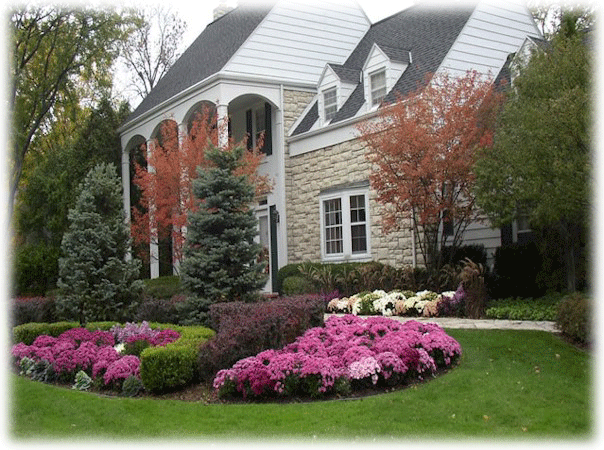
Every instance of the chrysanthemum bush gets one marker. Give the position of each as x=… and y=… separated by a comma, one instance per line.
x=99, y=354
x=349, y=353
x=401, y=303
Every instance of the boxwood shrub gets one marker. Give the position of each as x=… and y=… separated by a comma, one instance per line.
x=168, y=368
x=174, y=366
x=28, y=332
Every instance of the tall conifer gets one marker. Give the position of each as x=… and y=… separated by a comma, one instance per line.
x=221, y=257
x=97, y=282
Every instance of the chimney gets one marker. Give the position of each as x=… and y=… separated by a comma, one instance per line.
x=222, y=9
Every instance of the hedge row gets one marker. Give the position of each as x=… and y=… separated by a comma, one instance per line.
x=162, y=368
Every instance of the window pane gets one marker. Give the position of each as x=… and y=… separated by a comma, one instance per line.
x=359, y=239
x=357, y=208
x=333, y=226
x=330, y=103
x=378, y=87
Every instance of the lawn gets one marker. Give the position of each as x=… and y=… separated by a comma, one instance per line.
x=509, y=385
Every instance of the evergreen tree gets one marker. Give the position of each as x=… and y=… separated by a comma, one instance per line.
x=220, y=256
x=97, y=282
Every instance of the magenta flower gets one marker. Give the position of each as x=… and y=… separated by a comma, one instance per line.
x=122, y=369
x=347, y=347
x=44, y=341
x=21, y=350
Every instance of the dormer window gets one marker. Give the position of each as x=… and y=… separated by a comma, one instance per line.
x=378, y=87
x=330, y=103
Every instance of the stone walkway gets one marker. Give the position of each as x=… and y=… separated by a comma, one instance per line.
x=484, y=324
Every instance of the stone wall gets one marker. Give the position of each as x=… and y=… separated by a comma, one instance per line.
x=294, y=103
x=310, y=173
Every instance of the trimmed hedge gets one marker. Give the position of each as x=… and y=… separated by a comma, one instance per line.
x=28, y=332
x=164, y=287
x=174, y=366
x=168, y=368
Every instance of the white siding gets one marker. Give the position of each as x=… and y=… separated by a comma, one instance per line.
x=378, y=60
x=493, y=31
x=296, y=40
x=481, y=233
x=328, y=80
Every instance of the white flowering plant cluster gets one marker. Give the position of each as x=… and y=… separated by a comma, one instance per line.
x=394, y=303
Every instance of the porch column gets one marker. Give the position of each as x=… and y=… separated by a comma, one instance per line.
x=183, y=131
x=154, y=238
x=126, y=194
x=222, y=121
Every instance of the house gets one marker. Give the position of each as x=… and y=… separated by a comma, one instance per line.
x=305, y=74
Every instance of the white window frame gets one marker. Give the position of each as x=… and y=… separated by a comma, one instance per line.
x=347, y=253
x=375, y=99
x=330, y=109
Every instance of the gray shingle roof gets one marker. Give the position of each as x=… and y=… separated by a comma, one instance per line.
x=345, y=74
x=207, y=55
x=427, y=32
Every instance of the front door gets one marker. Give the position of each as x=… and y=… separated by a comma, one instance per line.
x=267, y=235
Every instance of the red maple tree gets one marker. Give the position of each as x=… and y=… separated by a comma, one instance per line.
x=422, y=149
x=165, y=181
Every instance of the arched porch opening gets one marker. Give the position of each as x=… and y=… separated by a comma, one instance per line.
x=165, y=138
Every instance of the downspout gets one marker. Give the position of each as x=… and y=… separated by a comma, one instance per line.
x=413, y=252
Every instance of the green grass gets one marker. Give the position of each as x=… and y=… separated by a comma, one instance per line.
x=509, y=385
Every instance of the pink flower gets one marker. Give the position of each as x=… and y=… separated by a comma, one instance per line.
x=348, y=347
x=44, y=341
x=122, y=369
x=366, y=367
x=21, y=350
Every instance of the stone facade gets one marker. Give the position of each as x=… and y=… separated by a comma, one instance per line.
x=294, y=103
x=309, y=174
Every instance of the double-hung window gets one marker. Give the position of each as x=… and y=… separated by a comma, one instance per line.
x=378, y=87
x=330, y=103
x=345, y=225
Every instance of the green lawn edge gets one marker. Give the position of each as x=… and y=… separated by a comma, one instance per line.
x=509, y=385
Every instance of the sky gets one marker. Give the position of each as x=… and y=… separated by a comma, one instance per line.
x=198, y=15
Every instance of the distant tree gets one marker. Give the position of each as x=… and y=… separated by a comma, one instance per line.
x=221, y=258
x=96, y=281
x=539, y=167
x=153, y=47
x=54, y=52
x=58, y=162
x=422, y=149
x=165, y=182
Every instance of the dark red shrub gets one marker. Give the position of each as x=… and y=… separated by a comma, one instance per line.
x=245, y=329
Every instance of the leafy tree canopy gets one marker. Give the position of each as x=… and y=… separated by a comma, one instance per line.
x=540, y=162
x=56, y=53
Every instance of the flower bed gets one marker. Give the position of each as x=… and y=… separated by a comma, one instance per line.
x=400, y=303
x=101, y=355
x=349, y=353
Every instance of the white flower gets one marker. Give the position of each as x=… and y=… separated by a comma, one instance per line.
x=120, y=347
